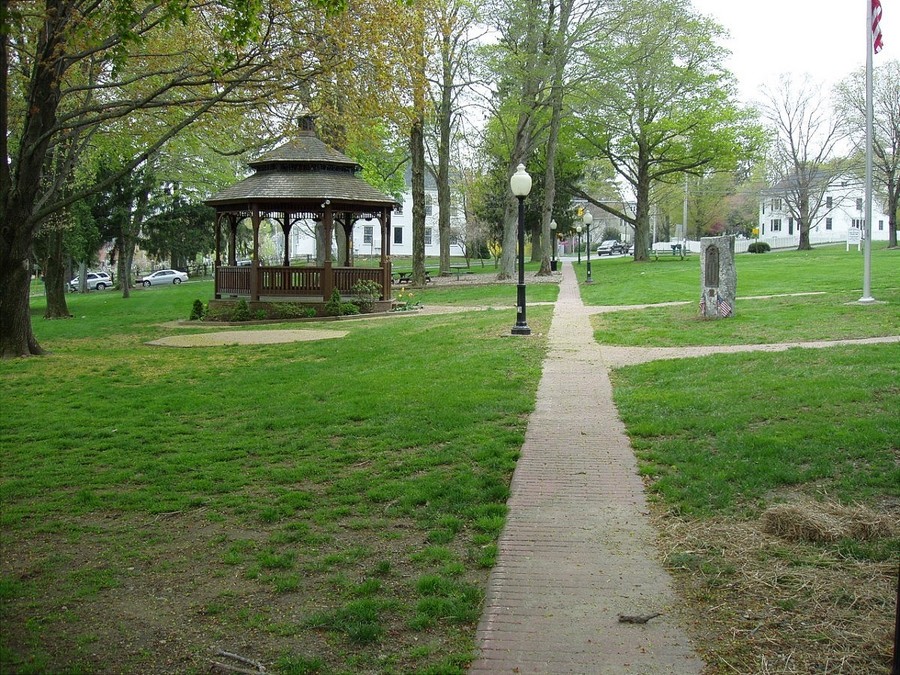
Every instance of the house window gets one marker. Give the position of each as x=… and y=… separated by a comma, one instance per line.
x=367, y=234
x=427, y=205
x=398, y=235
x=399, y=209
x=828, y=204
x=428, y=236
x=775, y=225
x=857, y=223
x=764, y=208
x=828, y=224
x=776, y=204
x=881, y=226
x=859, y=203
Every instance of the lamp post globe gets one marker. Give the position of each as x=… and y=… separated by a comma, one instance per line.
x=588, y=219
x=520, y=184
x=553, y=227
x=578, y=230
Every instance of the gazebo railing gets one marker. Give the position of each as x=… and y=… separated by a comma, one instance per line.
x=232, y=280
x=290, y=281
x=346, y=277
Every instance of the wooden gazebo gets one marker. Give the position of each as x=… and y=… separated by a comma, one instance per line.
x=302, y=180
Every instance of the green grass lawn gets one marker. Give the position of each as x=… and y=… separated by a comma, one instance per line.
x=334, y=506
x=619, y=281
x=334, y=503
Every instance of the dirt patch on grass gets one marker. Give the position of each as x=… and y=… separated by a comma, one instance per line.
x=129, y=594
x=762, y=603
x=246, y=337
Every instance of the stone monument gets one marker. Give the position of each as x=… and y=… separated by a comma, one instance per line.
x=718, y=278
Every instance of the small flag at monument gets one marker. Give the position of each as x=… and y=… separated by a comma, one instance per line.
x=724, y=307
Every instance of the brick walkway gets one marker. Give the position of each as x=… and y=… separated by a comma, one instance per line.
x=577, y=549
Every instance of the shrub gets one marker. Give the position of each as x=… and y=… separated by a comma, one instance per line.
x=758, y=247
x=333, y=306
x=290, y=310
x=241, y=311
x=367, y=292
x=198, y=311
x=260, y=315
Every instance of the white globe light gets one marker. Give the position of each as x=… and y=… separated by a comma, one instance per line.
x=520, y=182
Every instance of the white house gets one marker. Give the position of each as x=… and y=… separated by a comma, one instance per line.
x=367, y=234
x=841, y=209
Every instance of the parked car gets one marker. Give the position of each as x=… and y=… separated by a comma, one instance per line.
x=96, y=281
x=164, y=277
x=611, y=247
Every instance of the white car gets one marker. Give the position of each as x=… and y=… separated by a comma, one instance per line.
x=162, y=277
x=95, y=281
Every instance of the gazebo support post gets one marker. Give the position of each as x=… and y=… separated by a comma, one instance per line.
x=286, y=229
x=327, y=268
x=385, y=254
x=254, y=264
x=218, y=259
x=232, y=239
x=348, y=239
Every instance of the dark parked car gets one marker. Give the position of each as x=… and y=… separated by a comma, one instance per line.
x=611, y=247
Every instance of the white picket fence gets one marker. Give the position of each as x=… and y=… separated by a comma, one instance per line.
x=740, y=245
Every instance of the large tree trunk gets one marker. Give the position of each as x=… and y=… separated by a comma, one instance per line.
x=124, y=259
x=803, y=225
x=19, y=185
x=55, y=276
x=417, y=155
x=560, y=57
x=443, y=177
x=893, y=203
x=16, y=336
x=642, y=206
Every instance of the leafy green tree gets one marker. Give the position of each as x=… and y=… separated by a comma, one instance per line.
x=661, y=104
x=179, y=231
x=69, y=69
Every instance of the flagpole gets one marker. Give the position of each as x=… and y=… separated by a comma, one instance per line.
x=867, y=223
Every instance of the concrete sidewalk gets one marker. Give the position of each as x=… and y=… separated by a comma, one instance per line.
x=577, y=549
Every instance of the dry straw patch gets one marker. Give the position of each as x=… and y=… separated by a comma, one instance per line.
x=758, y=602
x=827, y=522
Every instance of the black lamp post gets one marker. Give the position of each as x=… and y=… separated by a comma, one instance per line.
x=588, y=220
x=520, y=184
x=555, y=245
x=578, y=230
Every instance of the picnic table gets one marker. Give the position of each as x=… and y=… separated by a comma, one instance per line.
x=405, y=276
x=458, y=269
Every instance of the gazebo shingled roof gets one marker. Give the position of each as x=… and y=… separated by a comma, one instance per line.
x=301, y=179
x=303, y=169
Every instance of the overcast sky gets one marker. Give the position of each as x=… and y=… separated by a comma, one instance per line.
x=824, y=38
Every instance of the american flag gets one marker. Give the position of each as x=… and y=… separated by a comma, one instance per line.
x=876, y=26
x=724, y=307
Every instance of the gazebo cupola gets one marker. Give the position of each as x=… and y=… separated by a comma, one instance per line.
x=301, y=180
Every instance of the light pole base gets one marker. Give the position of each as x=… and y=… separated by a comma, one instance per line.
x=521, y=330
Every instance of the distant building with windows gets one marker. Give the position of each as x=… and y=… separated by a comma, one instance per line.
x=367, y=234
x=840, y=210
